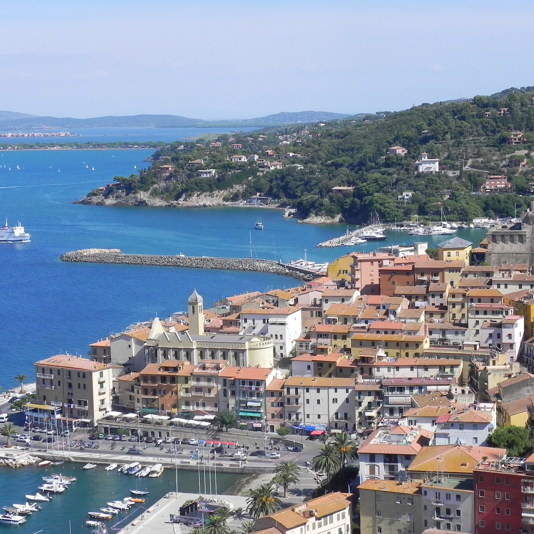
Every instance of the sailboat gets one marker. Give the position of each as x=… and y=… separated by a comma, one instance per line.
x=444, y=228
x=258, y=225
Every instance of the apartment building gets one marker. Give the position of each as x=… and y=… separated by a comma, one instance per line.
x=388, y=451
x=77, y=387
x=324, y=402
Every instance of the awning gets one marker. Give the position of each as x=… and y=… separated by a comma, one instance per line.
x=254, y=403
x=316, y=432
x=32, y=406
x=129, y=416
x=309, y=428
x=250, y=414
x=256, y=425
x=113, y=414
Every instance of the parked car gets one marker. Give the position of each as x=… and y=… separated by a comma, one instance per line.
x=36, y=437
x=273, y=455
x=258, y=453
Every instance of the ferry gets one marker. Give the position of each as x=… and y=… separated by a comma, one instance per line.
x=14, y=234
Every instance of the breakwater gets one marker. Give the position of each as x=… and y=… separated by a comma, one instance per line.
x=116, y=256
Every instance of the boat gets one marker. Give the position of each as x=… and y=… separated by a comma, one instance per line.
x=109, y=510
x=156, y=470
x=100, y=515
x=134, y=468
x=143, y=472
x=59, y=479
x=14, y=234
x=27, y=508
x=137, y=500
x=44, y=463
x=258, y=225
x=376, y=234
x=12, y=519
x=38, y=497
x=53, y=487
x=88, y=466
x=139, y=492
x=120, y=505
x=11, y=510
x=93, y=523
x=111, y=467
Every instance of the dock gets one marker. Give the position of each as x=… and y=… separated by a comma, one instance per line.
x=117, y=257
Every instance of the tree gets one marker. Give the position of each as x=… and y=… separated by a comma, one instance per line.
x=515, y=439
x=216, y=524
x=328, y=460
x=8, y=431
x=346, y=448
x=283, y=431
x=247, y=527
x=262, y=500
x=20, y=379
x=286, y=473
x=226, y=420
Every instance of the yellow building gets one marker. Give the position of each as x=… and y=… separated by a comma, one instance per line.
x=340, y=268
x=455, y=249
x=394, y=345
x=514, y=413
x=523, y=304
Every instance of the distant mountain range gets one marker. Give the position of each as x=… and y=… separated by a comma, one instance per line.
x=10, y=121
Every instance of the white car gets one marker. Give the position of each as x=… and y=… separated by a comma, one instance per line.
x=273, y=455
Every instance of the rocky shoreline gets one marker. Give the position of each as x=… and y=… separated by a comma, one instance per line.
x=115, y=256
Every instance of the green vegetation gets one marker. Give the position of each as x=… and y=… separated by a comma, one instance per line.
x=8, y=431
x=263, y=500
x=515, y=439
x=286, y=473
x=297, y=166
x=226, y=420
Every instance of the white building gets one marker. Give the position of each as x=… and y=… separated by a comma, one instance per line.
x=324, y=403
x=470, y=426
x=506, y=335
x=282, y=325
x=387, y=452
x=425, y=164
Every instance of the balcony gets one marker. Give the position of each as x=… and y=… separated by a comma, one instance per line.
x=527, y=487
x=372, y=412
x=528, y=506
x=437, y=502
x=82, y=407
x=45, y=375
x=185, y=394
x=47, y=387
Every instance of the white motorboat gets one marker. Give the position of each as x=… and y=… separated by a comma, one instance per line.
x=59, y=479
x=120, y=505
x=109, y=510
x=53, y=487
x=145, y=471
x=88, y=466
x=111, y=467
x=156, y=470
x=12, y=519
x=100, y=515
x=38, y=497
x=26, y=508
x=258, y=225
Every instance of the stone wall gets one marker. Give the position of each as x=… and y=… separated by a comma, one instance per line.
x=115, y=256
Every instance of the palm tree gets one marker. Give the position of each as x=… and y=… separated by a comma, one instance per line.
x=247, y=527
x=8, y=431
x=216, y=525
x=20, y=379
x=262, y=500
x=328, y=460
x=345, y=447
x=286, y=473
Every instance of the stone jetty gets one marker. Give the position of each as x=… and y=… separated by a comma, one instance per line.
x=116, y=256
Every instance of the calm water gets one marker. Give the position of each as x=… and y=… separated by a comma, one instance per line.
x=92, y=490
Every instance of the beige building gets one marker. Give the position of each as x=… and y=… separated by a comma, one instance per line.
x=196, y=345
x=78, y=387
x=327, y=514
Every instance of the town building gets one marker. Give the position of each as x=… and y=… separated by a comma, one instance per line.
x=80, y=388
x=426, y=164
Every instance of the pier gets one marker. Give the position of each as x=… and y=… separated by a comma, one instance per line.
x=115, y=256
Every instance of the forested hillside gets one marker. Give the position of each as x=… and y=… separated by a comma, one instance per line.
x=299, y=166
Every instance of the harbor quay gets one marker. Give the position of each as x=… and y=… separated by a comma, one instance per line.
x=115, y=256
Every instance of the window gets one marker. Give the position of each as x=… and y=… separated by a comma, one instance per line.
x=497, y=495
x=481, y=493
x=482, y=523
x=482, y=509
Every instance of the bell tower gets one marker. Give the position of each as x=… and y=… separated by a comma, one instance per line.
x=195, y=312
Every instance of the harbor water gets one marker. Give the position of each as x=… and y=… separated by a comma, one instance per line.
x=67, y=512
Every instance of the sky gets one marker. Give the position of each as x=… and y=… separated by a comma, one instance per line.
x=231, y=59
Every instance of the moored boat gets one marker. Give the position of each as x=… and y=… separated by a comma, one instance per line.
x=156, y=470
x=88, y=466
x=38, y=497
x=59, y=479
x=100, y=516
x=111, y=467
x=26, y=508
x=12, y=519
x=53, y=487
x=139, y=492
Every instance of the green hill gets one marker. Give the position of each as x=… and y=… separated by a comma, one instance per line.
x=298, y=166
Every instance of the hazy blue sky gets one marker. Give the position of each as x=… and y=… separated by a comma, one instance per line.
x=249, y=58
